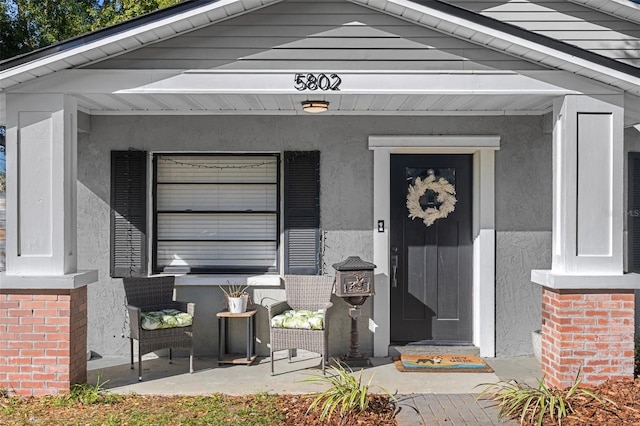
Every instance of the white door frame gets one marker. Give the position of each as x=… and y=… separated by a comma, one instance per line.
x=483, y=149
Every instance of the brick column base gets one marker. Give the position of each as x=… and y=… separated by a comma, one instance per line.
x=591, y=330
x=43, y=340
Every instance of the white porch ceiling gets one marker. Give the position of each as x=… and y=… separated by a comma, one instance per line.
x=274, y=93
x=342, y=104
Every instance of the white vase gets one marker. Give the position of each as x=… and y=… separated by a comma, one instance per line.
x=238, y=305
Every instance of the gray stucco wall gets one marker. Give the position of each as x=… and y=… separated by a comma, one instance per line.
x=523, y=232
x=518, y=300
x=523, y=208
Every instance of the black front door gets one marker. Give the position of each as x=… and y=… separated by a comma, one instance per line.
x=431, y=255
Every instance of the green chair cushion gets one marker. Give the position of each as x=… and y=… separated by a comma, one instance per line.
x=166, y=318
x=310, y=320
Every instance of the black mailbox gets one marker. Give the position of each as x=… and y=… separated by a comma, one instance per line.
x=354, y=278
x=354, y=283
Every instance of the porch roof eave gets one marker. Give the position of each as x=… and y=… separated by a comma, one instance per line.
x=224, y=92
x=625, y=9
x=434, y=14
x=516, y=41
x=363, y=92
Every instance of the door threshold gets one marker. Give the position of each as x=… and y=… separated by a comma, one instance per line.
x=428, y=347
x=432, y=343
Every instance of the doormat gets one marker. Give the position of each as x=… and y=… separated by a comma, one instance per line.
x=458, y=363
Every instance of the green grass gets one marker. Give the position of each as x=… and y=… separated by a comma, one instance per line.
x=91, y=406
x=83, y=394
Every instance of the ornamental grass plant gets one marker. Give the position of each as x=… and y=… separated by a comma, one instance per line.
x=532, y=405
x=347, y=394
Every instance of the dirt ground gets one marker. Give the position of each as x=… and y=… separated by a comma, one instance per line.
x=624, y=408
x=621, y=409
x=380, y=412
x=280, y=410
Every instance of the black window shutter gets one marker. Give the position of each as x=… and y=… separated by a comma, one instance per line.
x=633, y=218
x=302, y=212
x=128, y=213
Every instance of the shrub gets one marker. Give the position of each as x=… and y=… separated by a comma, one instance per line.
x=532, y=404
x=347, y=393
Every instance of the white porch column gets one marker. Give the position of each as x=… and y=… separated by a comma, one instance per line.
x=588, y=168
x=41, y=184
x=43, y=298
x=588, y=173
x=587, y=301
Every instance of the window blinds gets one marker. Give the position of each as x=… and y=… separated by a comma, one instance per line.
x=216, y=213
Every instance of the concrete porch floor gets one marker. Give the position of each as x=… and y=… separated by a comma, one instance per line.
x=424, y=398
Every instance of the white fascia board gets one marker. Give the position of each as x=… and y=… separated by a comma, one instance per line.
x=491, y=142
x=448, y=24
x=282, y=82
x=574, y=82
x=223, y=5
x=354, y=83
x=623, y=9
x=82, y=81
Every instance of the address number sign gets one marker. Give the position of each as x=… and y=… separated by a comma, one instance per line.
x=320, y=81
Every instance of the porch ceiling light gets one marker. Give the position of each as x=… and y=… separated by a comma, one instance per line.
x=315, y=106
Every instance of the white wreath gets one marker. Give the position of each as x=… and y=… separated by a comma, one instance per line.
x=445, y=195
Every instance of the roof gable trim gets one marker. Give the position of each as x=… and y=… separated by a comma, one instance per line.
x=435, y=14
x=121, y=41
x=628, y=10
x=507, y=38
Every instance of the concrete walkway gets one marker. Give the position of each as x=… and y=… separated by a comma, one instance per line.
x=423, y=398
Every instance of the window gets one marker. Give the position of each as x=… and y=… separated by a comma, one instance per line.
x=216, y=213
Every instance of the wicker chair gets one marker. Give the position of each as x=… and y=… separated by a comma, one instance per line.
x=310, y=292
x=156, y=294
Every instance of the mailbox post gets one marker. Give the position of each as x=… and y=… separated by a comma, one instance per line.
x=354, y=284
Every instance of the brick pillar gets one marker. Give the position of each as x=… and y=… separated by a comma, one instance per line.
x=588, y=329
x=43, y=340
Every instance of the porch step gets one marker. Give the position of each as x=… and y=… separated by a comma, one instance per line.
x=396, y=350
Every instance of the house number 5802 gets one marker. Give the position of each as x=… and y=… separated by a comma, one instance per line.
x=317, y=82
